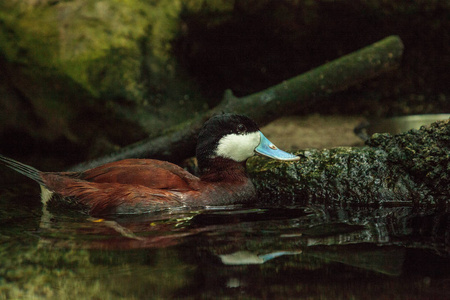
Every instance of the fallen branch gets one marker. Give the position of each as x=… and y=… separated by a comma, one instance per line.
x=265, y=106
x=408, y=169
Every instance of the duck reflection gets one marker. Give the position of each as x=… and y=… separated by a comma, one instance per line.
x=371, y=239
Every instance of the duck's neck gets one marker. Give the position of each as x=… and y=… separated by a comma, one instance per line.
x=224, y=170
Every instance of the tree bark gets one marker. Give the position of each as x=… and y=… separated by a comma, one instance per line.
x=411, y=169
x=265, y=106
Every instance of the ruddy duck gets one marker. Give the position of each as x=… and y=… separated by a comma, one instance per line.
x=133, y=186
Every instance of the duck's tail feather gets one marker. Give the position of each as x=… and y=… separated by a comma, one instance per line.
x=23, y=169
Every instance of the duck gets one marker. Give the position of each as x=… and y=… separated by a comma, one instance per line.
x=136, y=186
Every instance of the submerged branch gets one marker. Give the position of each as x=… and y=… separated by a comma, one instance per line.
x=265, y=106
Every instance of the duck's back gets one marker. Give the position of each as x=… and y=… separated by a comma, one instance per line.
x=150, y=173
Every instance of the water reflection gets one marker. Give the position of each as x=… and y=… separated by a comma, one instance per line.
x=224, y=252
x=250, y=258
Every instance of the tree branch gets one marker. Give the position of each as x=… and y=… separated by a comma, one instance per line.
x=408, y=169
x=265, y=106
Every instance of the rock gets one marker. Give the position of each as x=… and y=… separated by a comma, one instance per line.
x=79, y=73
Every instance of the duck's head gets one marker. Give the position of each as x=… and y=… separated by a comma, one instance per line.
x=237, y=138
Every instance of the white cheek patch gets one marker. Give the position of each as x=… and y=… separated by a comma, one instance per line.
x=238, y=147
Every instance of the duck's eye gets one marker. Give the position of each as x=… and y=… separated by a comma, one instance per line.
x=241, y=128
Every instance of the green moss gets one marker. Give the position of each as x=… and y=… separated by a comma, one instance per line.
x=96, y=43
x=424, y=153
x=28, y=35
x=407, y=168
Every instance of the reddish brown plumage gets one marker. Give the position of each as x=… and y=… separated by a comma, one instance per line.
x=150, y=173
x=143, y=185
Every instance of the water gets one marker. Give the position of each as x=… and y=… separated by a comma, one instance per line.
x=228, y=252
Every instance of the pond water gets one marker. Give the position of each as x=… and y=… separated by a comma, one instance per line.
x=292, y=252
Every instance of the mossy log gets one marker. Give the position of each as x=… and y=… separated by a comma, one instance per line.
x=412, y=168
x=265, y=106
